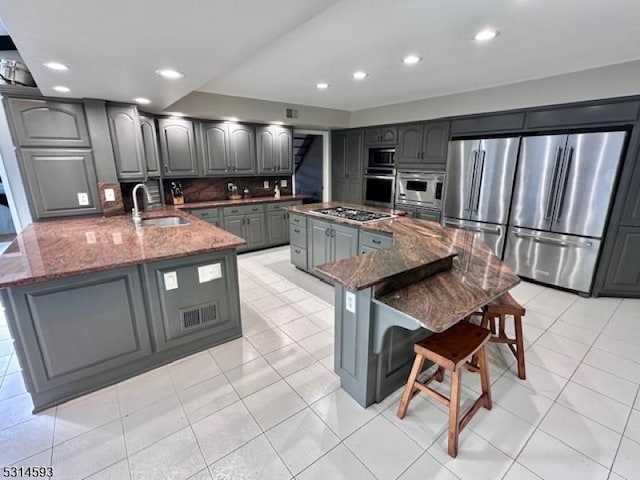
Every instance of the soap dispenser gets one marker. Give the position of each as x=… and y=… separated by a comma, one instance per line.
x=277, y=191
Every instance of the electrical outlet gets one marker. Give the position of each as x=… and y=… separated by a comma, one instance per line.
x=283, y=183
x=266, y=184
x=109, y=195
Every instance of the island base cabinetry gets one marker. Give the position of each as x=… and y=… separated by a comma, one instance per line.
x=79, y=334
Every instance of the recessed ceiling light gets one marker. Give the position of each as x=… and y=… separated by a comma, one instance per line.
x=168, y=73
x=359, y=75
x=56, y=66
x=322, y=86
x=61, y=89
x=411, y=59
x=142, y=100
x=278, y=123
x=486, y=34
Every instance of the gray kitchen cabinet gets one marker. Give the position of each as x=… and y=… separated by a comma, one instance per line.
x=277, y=228
x=126, y=139
x=623, y=272
x=329, y=242
x=242, y=148
x=61, y=182
x=178, y=148
x=422, y=145
x=298, y=239
x=274, y=146
x=210, y=215
x=369, y=241
x=347, y=153
x=255, y=232
x=48, y=123
x=235, y=225
x=214, y=149
x=381, y=136
x=150, y=144
x=203, y=305
x=76, y=328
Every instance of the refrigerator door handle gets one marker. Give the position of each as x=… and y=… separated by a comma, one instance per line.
x=563, y=182
x=469, y=228
x=473, y=180
x=554, y=185
x=479, y=175
x=553, y=241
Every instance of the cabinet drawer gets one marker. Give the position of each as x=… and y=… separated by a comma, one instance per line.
x=296, y=219
x=375, y=240
x=211, y=215
x=277, y=206
x=297, y=235
x=243, y=209
x=299, y=257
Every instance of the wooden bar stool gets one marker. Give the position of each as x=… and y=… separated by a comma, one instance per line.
x=450, y=350
x=498, y=310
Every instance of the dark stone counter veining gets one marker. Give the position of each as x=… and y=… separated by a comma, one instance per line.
x=61, y=248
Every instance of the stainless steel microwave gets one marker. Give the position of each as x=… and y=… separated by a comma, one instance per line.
x=422, y=189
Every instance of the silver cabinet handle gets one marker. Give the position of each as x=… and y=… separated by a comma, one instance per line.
x=479, y=176
x=553, y=241
x=472, y=228
x=377, y=242
x=554, y=182
x=473, y=179
x=563, y=183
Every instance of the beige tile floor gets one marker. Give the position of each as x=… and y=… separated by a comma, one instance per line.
x=268, y=406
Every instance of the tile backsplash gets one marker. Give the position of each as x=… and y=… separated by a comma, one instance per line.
x=208, y=189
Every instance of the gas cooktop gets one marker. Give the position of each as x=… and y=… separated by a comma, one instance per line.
x=354, y=214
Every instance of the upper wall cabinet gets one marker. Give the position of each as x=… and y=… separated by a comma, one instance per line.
x=214, y=148
x=381, y=136
x=126, y=138
x=242, y=148
x=422, y=145
x=274, y=145
x=178, y=148
x=47, y=123
x=61, y=182
x=150, y=144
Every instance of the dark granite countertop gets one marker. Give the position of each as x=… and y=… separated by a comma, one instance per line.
x=61, y=248
x=436, y=300
x=308, y=208
x=242, y=201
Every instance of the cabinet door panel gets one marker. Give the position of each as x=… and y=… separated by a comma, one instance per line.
x=410, y=139
x=215, y=148
x=623, y=275
x=235, y=225
x=242, y=148
x=319, y=248
x=126, y=138
x=355, y=152
x=266, y=148
x=338, y=155
x=345, y=242
x=178, y=147
x=46, y=123
x=255, y=231
x=435, y=141
x=389, y=135
x=278, y=228
x=338, y=191
x=61, y=181
x=284, y=150
x=372, y=136
x=150, y=145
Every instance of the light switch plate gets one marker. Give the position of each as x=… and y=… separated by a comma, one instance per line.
x=350, y=302
x=283, y=183
x=83, y=199
x=117, y=238
x=170, y=281
x=109, y=195
x=207, y=273
x=266, y=184
x=91, y=237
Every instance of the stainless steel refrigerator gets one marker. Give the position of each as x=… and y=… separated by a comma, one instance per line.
x=478, y=186
x=561, y=200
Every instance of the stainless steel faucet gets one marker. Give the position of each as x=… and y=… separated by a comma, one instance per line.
x=137, y=219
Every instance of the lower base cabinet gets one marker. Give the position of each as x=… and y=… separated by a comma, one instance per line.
x=249, y=227
x=623, y=274
x=78, y=334
x=325, y=242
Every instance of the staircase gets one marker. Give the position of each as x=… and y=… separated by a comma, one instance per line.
x=301, y=144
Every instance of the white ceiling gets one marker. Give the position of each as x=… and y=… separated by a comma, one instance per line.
x=279, y=49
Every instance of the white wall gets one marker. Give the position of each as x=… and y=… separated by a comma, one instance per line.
x=214, y=106
x=605, y=82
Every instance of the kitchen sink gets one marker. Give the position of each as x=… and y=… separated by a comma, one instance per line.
x=165, y=222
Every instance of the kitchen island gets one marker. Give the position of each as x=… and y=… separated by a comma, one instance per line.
x=424, y=279
x=92, y=301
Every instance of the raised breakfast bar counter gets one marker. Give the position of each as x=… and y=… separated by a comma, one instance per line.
x=385, y=300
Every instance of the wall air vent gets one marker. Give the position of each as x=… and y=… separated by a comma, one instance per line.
x=195, y=317
x=291, y=113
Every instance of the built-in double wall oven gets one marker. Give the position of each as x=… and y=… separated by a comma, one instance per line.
x=380, y=177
